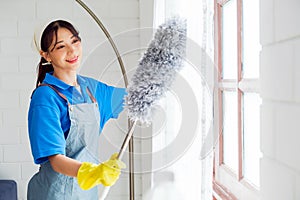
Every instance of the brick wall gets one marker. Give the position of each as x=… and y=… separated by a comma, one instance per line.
x=18, y=63
x=280, y=37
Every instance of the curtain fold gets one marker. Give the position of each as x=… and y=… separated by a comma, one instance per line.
x=207, y=153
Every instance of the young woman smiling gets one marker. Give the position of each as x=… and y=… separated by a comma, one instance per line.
x=67, y=112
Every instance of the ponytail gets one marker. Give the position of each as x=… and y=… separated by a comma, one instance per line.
x=42, y=70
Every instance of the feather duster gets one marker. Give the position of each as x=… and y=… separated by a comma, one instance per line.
x=157, y=69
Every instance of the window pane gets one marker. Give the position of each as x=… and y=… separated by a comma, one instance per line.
x=251, y=42
x=252, y=152
x=230, y=130
x=229, y=40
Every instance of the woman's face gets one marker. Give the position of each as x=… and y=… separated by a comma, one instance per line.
x=65, y=52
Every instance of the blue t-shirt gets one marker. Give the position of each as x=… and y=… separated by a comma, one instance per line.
x=48, y=119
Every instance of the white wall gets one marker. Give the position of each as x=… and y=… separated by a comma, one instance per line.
x=280, y=90
x=18, y=64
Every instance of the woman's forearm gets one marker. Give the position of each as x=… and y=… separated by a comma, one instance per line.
x=64, y=165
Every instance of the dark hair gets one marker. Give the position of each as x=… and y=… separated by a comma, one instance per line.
x=46, y=41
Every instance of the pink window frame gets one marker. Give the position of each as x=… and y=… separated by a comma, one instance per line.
x=221, y=190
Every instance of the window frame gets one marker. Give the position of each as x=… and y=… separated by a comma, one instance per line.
x=240, y=85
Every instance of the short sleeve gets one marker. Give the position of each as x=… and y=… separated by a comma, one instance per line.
x=111, y=100
x=44, y=127
x=117, y=101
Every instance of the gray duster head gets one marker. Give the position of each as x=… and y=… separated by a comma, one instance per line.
x=157, y=69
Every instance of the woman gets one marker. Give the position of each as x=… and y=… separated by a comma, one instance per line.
x=67, y=112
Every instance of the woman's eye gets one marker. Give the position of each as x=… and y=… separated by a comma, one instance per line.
x=60, y=47
x=75, y=41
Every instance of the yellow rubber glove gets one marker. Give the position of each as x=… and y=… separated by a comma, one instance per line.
x=106, y=173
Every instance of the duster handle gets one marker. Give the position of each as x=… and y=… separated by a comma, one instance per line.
x=120, y=155
x=104, y=193
x=126, y=140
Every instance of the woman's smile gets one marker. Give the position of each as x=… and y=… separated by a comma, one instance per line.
x=73, y=60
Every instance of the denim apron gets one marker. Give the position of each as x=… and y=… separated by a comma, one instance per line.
x=81, y=145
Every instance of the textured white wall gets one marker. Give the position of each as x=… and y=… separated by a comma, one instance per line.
x=18, y=63
x=280, y=86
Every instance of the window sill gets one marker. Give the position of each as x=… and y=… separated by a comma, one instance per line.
x=226, y=183
x=221, y=193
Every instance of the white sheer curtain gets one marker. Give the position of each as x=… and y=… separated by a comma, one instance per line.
x=192, y=174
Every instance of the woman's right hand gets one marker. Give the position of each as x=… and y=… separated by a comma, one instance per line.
x=106, y=173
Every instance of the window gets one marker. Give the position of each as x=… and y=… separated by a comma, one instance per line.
x=237, y=45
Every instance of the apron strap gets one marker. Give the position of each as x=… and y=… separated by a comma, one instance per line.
x=90, y=95
x=64, y=97
x=59, y=93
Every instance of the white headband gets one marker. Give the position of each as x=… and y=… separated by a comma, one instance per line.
x=38, y=32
